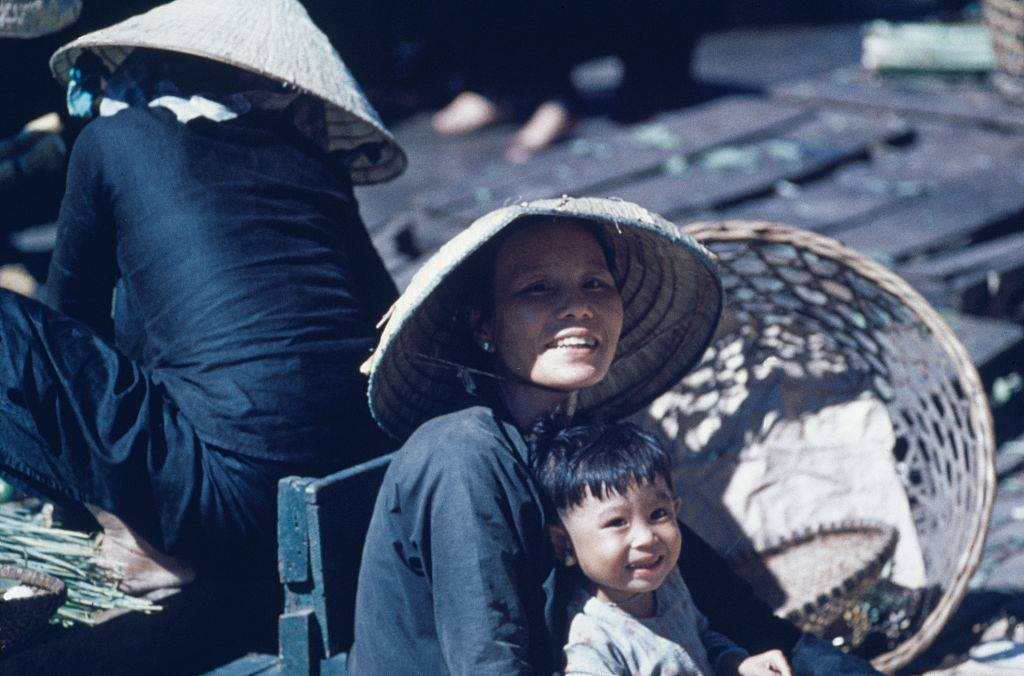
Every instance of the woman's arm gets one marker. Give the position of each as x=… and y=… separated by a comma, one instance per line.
x=80, y=280
x=479, y=570
x=729, y=602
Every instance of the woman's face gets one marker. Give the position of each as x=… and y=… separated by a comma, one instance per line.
x=557, y=312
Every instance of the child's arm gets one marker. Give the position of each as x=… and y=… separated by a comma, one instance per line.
x=723, y=654
x=770, y=663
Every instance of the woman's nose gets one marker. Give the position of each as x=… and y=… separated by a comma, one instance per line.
x=575, y=304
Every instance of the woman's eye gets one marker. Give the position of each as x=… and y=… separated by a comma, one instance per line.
x=615, y=523
x=659, y=514
x=596, y=283
x=536, y=287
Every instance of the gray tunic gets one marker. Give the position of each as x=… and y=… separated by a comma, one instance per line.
x=677, y=639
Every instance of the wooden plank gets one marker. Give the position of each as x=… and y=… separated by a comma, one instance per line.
x=339, y=513
x=435, y=161
x=986, y=278
x=301, y=648
x=857, y=193
x=730, y=174
x=292, y=535
x=616, y=154
x=815, y=206
x=250, y=665
x=953, y=212
x=942, y=151
x=987, y=341
x=958, y=100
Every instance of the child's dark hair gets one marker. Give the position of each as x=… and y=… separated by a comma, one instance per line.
x=599, y=458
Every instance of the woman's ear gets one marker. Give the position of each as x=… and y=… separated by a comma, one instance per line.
x=562, y=545
x=481, y=330
x=676, y=505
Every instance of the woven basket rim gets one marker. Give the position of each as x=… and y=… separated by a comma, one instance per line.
x=984, y=476
x=21, y=618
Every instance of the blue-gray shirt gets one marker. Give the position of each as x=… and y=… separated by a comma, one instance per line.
x=457, y=574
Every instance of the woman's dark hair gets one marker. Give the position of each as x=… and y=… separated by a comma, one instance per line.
x=600, y=459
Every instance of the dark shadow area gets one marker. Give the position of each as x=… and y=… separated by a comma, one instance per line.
x=977, y=611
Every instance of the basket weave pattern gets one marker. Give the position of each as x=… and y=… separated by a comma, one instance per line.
x=826, y=568
x=807, y=305
x=1005, y=20
x=21, y=618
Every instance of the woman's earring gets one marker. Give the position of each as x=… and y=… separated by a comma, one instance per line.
x=570, y=560
x=486, y=346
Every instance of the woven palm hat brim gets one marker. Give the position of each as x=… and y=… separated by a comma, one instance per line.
x=272, y=38
x=671, y=294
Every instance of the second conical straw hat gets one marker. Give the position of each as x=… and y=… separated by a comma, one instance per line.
x=272, y=38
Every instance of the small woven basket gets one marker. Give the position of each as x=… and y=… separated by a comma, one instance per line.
x=21, y=618
x=821, y=573
x=800, y=304
x=1005, y=19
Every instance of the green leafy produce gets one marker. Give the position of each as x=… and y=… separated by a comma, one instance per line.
x=27, y=540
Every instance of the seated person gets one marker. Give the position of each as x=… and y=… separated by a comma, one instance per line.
x=212, y=292
x=631, y=612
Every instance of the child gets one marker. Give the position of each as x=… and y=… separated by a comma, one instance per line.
x=632, y=612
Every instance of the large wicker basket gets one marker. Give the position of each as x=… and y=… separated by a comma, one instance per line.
x=21, y=618
x=800, y=303
x=1005, y=19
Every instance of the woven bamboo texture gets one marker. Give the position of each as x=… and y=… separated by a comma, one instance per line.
x=1005, y=19
x=21, y=618
x=826, y=569
x=806, y=304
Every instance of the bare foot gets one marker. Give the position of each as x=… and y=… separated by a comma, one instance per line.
x=548, y=123
x=145, y=568
x=465, y=114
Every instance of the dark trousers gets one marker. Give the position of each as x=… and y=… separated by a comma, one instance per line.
x=82, y=423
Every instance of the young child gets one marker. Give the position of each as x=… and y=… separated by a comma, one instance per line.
x=632, y=612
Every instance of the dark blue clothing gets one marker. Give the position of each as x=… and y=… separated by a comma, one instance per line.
x=245, y=291
x=457, y=574
x=246, y=283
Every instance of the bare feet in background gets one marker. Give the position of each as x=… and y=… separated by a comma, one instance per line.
x=145, y=568
x=469, y=112
x=549, y=122
x=466, y=113
x=16, y=278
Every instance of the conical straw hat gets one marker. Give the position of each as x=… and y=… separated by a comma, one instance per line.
x=671, y=294
x=272, y=38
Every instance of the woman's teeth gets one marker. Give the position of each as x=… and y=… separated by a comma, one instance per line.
x=574, y=342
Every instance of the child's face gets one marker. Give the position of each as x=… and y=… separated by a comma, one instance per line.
x=625, y=544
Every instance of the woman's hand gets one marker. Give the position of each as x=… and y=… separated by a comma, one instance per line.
x=770, y=663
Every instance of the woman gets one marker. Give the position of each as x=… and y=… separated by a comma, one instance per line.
x=213, y=193
x=574, y=306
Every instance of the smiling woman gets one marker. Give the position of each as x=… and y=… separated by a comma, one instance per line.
x=555, y=319
x=585, y=307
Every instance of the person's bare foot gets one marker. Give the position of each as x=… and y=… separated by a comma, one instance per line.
x=465, y=114
x=144, y=567
x=548, y=123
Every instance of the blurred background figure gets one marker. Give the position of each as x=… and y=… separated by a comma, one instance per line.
x=515, y=61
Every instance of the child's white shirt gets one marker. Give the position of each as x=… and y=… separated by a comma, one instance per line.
x=677, y=639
